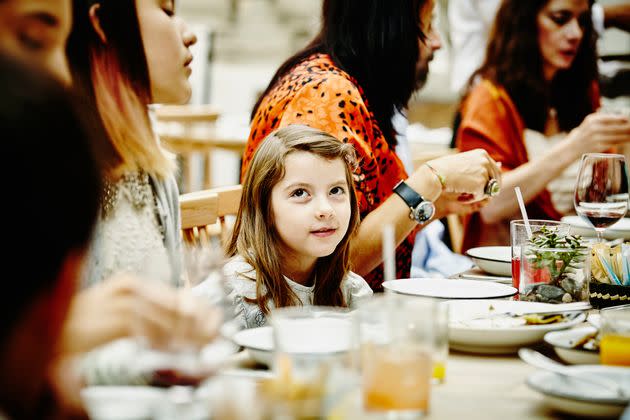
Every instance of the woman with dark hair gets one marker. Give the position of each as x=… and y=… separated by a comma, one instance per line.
x=126, y=55
x=353, y=77
x=531, y=106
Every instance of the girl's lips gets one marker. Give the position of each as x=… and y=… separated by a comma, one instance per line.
x=324, y=233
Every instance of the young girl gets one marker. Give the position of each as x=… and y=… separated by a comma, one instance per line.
x=291, y=240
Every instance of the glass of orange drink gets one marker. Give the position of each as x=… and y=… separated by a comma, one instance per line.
x=396, y=336
x=615, y=335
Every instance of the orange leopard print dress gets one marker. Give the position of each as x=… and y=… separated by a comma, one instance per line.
x=319, y=94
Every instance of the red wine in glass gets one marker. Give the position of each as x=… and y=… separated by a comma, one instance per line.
x=601, y=190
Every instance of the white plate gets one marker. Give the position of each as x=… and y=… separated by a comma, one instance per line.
x=580, y=398
x=317, y=337
x=492, y=259
x=579, y=226
x=497, y=335
x=450, y=288
x=561, y=342
x=122, y=402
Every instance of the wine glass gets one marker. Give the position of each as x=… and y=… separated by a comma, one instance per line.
x=601, y=190
x=203, y=291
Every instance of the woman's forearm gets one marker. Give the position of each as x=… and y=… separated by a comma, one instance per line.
x=367, y=244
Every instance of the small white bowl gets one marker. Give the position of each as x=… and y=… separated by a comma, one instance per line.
x=561, y=342
x=492, y=259
x=122, y=402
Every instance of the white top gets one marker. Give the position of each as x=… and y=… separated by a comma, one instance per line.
x=469, y=24
x=562, y=188
x=239, y=285
x=131, y=240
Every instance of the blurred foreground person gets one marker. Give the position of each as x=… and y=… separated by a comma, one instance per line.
x=50, y=217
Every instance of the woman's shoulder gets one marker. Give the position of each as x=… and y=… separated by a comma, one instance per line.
x=319, y=72
x=485, y=91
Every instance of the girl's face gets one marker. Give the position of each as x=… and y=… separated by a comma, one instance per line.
x=560, y=31
x=166, y=40
x=37, y=31
x=311, y=207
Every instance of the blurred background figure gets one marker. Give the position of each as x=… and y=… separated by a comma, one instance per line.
x=532, y=106
x=470, y=22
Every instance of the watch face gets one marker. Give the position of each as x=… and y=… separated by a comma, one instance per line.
x=423, y=212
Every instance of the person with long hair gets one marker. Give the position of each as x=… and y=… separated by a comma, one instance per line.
x=291, y=240
x=532, y=106
x=349, y=81
x=125, y=55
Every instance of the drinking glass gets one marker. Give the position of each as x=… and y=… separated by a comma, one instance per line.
x=615, y=332
x=396, y=337
x=312, y=358
x=518, y=237
x=202, y=291
x=601, y=190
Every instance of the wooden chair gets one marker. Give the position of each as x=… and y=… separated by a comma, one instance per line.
x=204, y=213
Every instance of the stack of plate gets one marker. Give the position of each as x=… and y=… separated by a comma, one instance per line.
x=495, y=260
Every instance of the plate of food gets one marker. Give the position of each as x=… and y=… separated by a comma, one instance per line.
x=581, y=227
x=580, y=397
x=492, y=259
x=576, y=346
x=503, y=326
x=318, y=336
x=450, y=288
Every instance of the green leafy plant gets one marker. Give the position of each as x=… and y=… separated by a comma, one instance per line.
x=554, y=267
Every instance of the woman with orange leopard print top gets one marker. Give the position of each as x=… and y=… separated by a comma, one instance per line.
x=349, y=81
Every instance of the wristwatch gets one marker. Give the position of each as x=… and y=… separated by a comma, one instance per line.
x=421, y=210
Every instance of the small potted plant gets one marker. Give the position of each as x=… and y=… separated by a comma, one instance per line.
x=554, y=268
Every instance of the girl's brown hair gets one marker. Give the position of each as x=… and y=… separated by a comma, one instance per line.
x=255, y=237
x=514, y=61
x=113, y=73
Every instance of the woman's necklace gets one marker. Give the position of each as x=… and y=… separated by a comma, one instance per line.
x=136, y=184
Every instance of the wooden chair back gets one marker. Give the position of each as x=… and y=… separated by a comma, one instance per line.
x=204, y=213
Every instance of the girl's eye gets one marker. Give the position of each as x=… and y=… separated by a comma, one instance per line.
x=169, y=12
x=299, y=193
x=337, y=191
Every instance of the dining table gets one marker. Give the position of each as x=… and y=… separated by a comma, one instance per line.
x=476, y=386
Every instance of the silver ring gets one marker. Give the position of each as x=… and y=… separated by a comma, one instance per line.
x=492, y=188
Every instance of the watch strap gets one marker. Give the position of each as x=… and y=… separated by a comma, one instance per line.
x=410, y=196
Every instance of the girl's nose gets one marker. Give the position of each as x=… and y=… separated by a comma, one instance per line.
x=324, y=209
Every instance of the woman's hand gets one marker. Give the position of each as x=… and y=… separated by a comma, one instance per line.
x=465, y=177
x=599, y=132
x=125, y=306
x=451, y=203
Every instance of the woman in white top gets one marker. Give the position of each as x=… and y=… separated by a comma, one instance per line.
x=291, y=240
